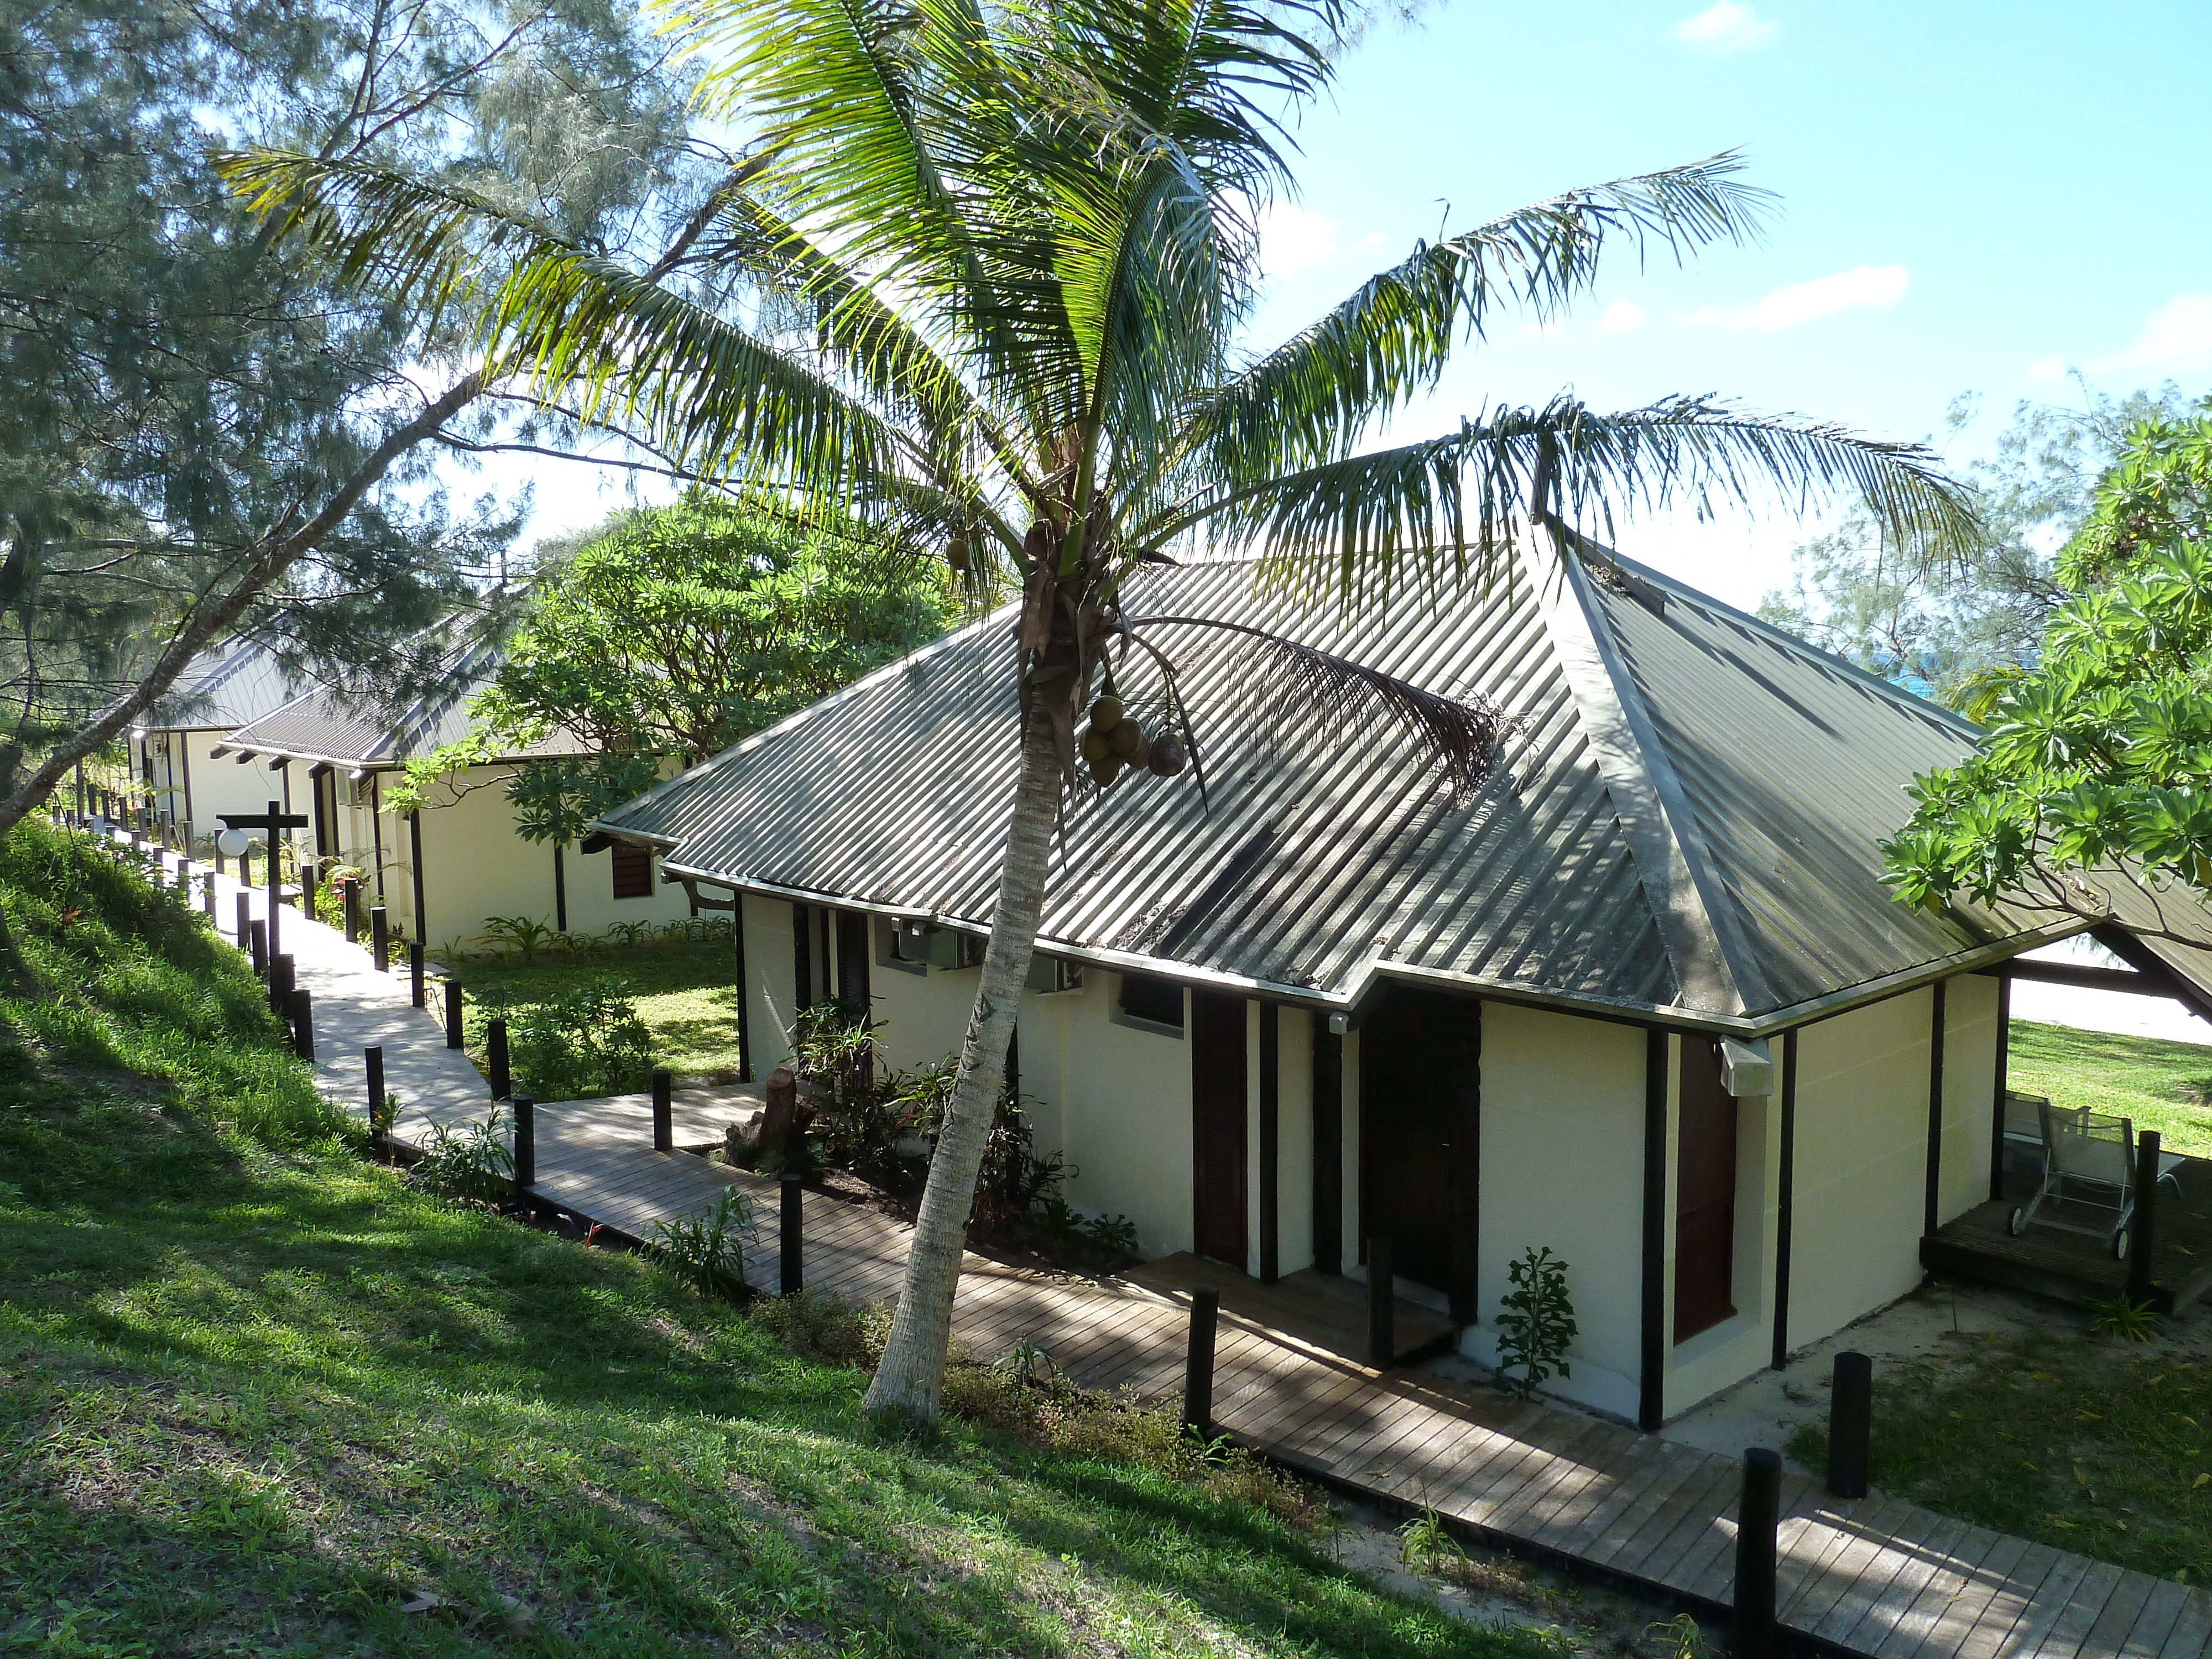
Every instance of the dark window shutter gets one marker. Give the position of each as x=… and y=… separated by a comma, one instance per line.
x=1705, y=1209
x=633, y=871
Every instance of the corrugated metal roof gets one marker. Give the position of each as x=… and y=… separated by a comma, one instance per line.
x=327, y=725
x=223, y=688
x=1687, y=820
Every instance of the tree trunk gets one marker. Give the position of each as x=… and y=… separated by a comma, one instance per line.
x=909, y=1381
x=209, y=615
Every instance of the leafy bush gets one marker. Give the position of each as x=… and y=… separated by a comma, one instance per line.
x=581, y=1042
x=471, y=1161
x=708, y=1252
x=1535, y=1322
x=525, y=935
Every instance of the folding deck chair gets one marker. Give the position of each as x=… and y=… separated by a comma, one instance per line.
x=2089, y=1160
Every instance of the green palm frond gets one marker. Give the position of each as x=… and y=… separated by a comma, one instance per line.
x=1309, y=400
x=1462, y=499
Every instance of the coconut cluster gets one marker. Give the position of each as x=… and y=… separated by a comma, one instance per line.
x=1115, y=739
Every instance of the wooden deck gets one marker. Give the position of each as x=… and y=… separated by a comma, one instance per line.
x=1877, y=1576
x=2071, y=1267
x=1318, y=1313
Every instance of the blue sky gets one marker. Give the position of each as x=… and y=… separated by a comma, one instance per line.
x=1973, y=198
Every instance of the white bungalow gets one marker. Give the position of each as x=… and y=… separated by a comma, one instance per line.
x=442, y=872
x=1642, y=998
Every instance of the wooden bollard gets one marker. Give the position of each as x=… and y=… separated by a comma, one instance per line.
x=373, y=1058
x=1851, y=1424
x=308, y=872
x=495, y=1058
x=301, y=1006
x=2143, y=1230
x=1758, y=1513
x=257, y=945
x=416, y=992
x=791, y=1265
x=207, y=893
x=379, y=938
x=281, y=979
x=526, y=1143
x=1198, y=1364
x=1381, y=1303
x=663, y=1113
x=454, y=999
x=349, y=903
x=245, y=921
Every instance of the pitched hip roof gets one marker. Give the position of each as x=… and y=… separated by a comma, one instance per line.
x=223, y=688
x=1684, y=821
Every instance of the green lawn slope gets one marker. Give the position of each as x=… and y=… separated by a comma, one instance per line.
x=259, y=1396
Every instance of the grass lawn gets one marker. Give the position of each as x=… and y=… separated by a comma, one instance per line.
x=269, y=1398
x=686, y=994
x=2082, y=1442
x=2134, y=1076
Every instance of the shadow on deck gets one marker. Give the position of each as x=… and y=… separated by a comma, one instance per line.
x=2071, y=1267
x=1323, y=1314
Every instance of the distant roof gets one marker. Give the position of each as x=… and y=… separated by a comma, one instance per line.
x=223, y=688
x=329, y=726
x=1685, y=823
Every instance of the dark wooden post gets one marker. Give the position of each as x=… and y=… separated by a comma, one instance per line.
x=526, y=1143
x=1851, y=1424
x=495, y=1058
x=207, y=893
x=454, y=999
x=307, y=873
x=275, y=886
x=373, y=1058
x=257, y=943
x=1758, y=1513
x=791, y=1266
x=1932, y=1185
x=664, y=1128
x=415, y=991
x=281, y=981
x=243, y=914
x=379, y=938
x=745, y=1005
x=349, y=900
x=2143, y=1231
x=1198, y=1364
x=2004, y=1072
x=1381, y=1303
x=301, y=1008
x=1652, y=1351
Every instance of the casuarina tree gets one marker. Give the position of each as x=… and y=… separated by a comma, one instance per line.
x=981, y=286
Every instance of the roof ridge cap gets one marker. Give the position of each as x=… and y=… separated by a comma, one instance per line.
x=1713, y=970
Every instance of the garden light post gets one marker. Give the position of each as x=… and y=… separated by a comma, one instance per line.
x=664, y=1128
x=791, y=1266
x=454, y=1011
x=415, y=992
x=495, y=1058
x=269, y=823
x=379, y=938
x=1759, y=1514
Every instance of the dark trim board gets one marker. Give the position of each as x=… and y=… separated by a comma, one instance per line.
x=1932, y=1195
x=415, y=850
x=1997, y=1095
x=744, y=988
x=1270, y=1150
x=1785, y=1201
x=1651, y=1383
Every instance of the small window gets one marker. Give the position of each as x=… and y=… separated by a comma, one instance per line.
x=1150, y=999
x=633, y=871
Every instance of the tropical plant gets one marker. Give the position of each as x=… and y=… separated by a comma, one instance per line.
x=708, y=1251
x=975, y=292
x=1535, y=1322
x=2124, y=1318
x=524, y=935
x=583, y=1041
x=468, y=1161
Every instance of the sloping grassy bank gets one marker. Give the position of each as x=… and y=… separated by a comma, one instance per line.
x=257, y=1395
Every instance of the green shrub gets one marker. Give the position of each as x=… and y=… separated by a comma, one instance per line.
x=582, y=1042
x=1535, y=1322
x=471, y=1161
x=708, y=1252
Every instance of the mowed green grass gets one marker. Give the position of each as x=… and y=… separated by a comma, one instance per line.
x=686, y=994
x=2144, y=1079
x=259, y=1396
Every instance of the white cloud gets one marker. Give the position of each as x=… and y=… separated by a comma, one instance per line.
x=2052, y=367
x=1550, y=329
x=1621, y=317
x=1726, y=27
x=1786, y=307
x=2176, y=336
x=1373, y=242
x=1293, y=238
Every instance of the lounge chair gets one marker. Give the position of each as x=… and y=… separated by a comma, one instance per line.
x=2089, y=1161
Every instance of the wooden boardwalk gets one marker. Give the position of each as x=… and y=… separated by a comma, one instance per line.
x=1877, y=1576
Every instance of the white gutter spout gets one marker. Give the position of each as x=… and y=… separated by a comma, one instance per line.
x=1747, y=1068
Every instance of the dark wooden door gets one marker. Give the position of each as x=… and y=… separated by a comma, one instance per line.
x=1419, y=1081
x=1217, y=1117
x=1705, y=1195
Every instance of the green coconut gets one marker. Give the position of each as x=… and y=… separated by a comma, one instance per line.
x=1128, y=741
x=1106, y=713
x=957, y=553
x=1104, y=772
x=1096, y=745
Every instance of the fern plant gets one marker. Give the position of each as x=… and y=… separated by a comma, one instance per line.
x=708, y=1252
x=1535, y=1322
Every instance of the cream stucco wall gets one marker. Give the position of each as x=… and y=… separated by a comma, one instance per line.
x=771, y=990
x=1970, y=1087
x=1295, y=1145
x=1123, y=1094
x=218, y=785
x=1561, y=1125
x=1860, y=1161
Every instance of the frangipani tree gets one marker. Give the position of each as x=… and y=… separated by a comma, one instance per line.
x=978, y=283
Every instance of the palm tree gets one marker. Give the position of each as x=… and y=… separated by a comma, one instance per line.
x=977, y=285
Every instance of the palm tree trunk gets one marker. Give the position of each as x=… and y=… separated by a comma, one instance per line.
x=910, y=1378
